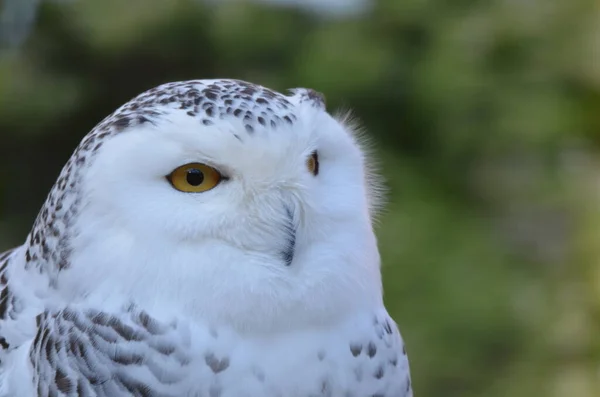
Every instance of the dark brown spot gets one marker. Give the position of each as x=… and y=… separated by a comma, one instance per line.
x=210, y=95
x=371, y=349
x=318, y=97
x=124, y=330
x=215, y=364
x=143, y=119
x=3, y=302
x=126, y=358
x=325, y=388
x=387, y=327
x=164, y=348
x=63, y=383
x=355, y=349
x=151, y=325
x=121, y=123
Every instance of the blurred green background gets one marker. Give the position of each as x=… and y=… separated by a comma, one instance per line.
x=485, y=116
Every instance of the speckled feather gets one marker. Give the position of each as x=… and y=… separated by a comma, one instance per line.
x=91, y=353
x=53, y=348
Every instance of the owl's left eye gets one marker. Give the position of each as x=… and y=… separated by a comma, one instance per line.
x=194, y=178
x=312, y=163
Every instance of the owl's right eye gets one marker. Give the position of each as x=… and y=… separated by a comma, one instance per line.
x=194, y=178
x=312, y=163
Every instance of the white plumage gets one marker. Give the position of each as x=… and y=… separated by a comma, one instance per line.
x=137, y=281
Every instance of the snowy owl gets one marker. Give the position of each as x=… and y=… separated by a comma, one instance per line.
x=209, y=238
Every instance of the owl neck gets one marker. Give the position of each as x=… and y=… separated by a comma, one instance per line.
x=212, y=283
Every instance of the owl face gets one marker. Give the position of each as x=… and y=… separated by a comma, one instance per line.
x=270, y=219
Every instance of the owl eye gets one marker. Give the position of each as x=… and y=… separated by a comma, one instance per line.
x=312, y=163
x=194, y=178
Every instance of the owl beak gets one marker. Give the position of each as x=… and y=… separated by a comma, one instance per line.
x=290, y=245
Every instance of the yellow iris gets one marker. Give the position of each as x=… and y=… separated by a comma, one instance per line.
x=312, y=163
x=194, y=178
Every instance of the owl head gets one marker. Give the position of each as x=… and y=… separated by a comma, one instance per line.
x=218, y=199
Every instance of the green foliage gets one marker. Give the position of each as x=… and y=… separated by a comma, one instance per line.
x=475, y=107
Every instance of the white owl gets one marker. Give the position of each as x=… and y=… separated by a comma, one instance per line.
x=209, y=238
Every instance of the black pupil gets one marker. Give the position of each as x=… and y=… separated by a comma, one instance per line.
x=194, y=177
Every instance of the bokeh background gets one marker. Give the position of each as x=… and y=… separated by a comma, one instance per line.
x=484, y=114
